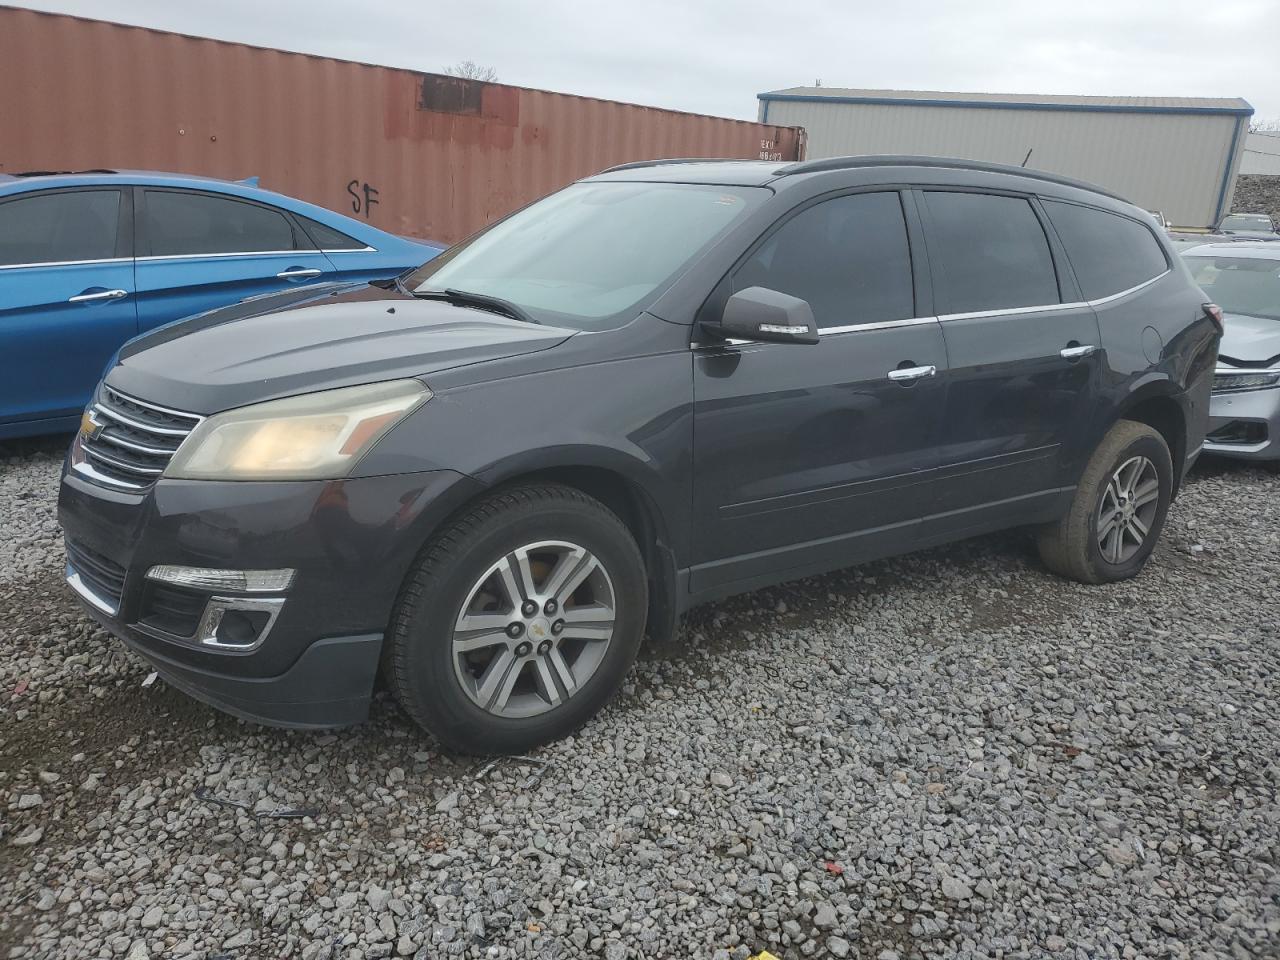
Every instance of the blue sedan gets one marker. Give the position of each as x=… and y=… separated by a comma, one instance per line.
x=89, y=260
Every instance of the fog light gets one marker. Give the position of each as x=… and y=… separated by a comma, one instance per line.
x=212, y=578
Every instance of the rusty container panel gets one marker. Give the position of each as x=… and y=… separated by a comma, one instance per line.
x=417, y=154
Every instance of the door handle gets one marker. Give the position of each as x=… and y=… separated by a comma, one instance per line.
x=1077, y=352
x=294, y=273
x=100, y=295
x=911, y=374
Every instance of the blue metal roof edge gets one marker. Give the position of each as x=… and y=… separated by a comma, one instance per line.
x=1221, y=208
x=1245, y=111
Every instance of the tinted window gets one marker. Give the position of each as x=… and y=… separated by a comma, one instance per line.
x=194, y=223
x=1108, y=253
x=988, y=253
x=55, y=227
x=589, y=256
x=847, y=257
x=327, y=238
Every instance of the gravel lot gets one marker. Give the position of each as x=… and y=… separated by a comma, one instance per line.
x=951, y=754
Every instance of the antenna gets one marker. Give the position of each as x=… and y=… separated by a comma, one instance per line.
x=1027, y=157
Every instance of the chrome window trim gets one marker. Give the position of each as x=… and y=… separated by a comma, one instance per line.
x=364, y=249
x=876, y=325
x=943, y=317
x=64, y=263
x=1124, y=293
x=1014, y=311
x=82, y=589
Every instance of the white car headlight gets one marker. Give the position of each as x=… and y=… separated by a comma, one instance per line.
x=316, y=436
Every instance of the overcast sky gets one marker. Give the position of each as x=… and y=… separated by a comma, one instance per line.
x=714, y=56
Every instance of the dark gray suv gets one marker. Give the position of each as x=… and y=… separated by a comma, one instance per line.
x=664, y=384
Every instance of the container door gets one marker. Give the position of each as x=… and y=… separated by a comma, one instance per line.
x=66, y=301
x=199, y=251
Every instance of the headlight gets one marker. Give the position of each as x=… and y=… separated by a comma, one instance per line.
x=316, y=436
x=1231, y=381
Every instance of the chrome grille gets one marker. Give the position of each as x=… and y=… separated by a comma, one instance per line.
x=132, y=440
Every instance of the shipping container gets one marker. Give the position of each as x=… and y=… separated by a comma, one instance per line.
x=418, y=154
x=1178, y=155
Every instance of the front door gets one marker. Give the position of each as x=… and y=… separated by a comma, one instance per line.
x=810, y=457
x=199, y=251
x=1024, y=356
x=66, y=301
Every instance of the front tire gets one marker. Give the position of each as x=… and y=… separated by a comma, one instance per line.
x=1118, y=510
x=519, y=620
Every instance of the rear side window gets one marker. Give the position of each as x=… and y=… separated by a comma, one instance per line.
x=58, y=227
x=848, y=257
x=1109, y=253
x=192, y=224
x=988, y=253
x=327, y=238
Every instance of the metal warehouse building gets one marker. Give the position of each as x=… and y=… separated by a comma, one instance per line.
x=1179, y=155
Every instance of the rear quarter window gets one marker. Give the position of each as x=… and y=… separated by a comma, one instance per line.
x=1108, y=252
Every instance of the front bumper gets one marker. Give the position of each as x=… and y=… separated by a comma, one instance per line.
x=1245, y=424
x=350, y=541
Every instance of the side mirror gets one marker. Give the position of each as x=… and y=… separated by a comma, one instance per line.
x=758, y=313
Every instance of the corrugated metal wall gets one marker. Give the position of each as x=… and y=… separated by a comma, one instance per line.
x=1170, y=162
x=416, y=154
x=1262, y=154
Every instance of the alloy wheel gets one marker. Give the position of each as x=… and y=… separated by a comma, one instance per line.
x=534, y=628
x=1128, y=509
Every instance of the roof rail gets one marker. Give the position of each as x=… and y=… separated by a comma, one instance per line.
x=58, y=173
x=637, y=164
x=955, y=163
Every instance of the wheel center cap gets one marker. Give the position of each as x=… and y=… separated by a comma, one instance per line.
x=540, y=629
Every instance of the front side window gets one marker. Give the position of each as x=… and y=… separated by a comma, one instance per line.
x=59, y=227
x=988, y=252
x=1109, y=253
x=848, y=257
x=1246, y=285
x=589, y=256
x=196, y=224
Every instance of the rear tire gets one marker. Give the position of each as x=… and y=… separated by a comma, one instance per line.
x=519, y=620
x=1118, y=510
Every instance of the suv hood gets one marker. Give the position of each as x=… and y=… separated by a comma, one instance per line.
x=317, y=338
x=1249, y=341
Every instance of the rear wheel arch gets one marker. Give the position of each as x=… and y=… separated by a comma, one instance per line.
x=1160, y=410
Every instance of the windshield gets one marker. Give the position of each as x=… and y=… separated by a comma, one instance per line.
x=589, y=256
x=1248, y=285
x=1247, y=223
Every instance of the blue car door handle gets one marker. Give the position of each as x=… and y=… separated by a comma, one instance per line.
x=295, y=273
x=97, y=295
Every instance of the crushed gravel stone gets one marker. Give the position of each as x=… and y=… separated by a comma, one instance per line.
x=952, y=754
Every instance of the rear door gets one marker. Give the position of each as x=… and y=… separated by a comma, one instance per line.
x=810, y=457
x=198, y=251
x=1025, y=362
x=66, y=298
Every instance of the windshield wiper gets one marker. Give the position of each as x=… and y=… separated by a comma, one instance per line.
x=481, y=301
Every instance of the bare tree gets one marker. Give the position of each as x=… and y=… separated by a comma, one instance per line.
x=1265, y=126
x=470, y=70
